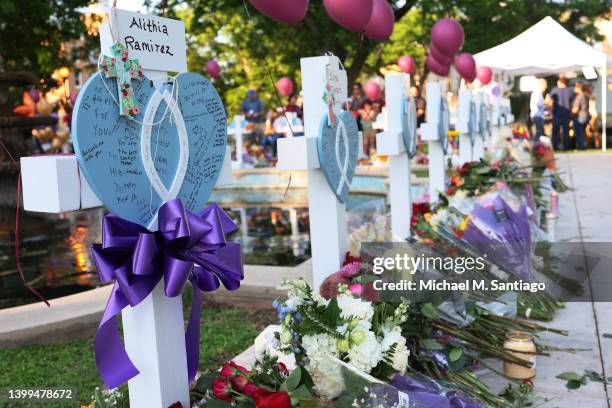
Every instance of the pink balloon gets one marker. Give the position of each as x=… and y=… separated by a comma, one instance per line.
x=484, y=75
x=439, y=56
x=382, y=21
x=406, y=64
x=466, y=65
x=354, y=15
x=436, y=67
x=290, y=12
x=213, y=69
x=372, y=90
x=284, y=86
x=447, y=35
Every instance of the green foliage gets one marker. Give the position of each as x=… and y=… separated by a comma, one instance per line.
x=225, y=333
x=33, y=32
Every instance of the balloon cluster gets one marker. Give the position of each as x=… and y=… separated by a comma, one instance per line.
x=447, y=38
x=374, y=18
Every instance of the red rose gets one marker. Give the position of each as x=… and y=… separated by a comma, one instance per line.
x=271, y=399
x=239, y=382
x=283, y=368
x=249, y=389
x=230, y=369
x=451, y=190
x=221, y=389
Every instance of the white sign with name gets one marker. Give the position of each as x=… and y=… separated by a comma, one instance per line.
x=157, y=43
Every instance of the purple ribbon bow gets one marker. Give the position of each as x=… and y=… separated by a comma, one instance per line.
x=187, y=247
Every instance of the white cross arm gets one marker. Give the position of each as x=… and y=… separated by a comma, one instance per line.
x=54, y=184
x=390, y=143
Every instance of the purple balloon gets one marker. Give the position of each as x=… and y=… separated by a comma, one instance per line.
x=439, y=56
x=496, y=90
x=437, y=68
x=406, y=64
x=290, y=12
x=447, y=35
x=354, y=15
x=213, y=69
x=382, y=21
x=466, y=65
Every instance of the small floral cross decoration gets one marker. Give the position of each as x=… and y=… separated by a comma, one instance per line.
x=124, y=69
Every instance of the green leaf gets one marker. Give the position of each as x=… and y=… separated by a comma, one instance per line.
x=455, y=354
x=332, y=313
x=569, y=376
x=594, y=376
x=293, y=380
x=607, y=335
x=573, y=384
x=432, y=344
x=429, y=311
x=302, y=393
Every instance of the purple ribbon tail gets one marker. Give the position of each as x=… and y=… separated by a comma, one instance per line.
x=192, y=335
x=113, y=362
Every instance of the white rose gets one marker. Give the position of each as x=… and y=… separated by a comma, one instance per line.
x=354, y=307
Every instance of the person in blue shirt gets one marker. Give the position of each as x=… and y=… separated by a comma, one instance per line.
x=562, y=97
x=252, y=108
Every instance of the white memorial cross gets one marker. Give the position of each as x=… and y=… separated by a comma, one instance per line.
x=238, y=131
x=328, y=229
x=391, y=143
x=431, y=132
x=154, y=331
x=466, y=123
x=481, y=108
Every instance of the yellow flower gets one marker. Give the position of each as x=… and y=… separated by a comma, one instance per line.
x=464, y=223
x=427, y=217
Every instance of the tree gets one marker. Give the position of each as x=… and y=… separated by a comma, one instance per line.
x=254, y=50
x=33, y=33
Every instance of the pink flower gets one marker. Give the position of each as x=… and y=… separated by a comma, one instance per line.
x=350, y=270
x=355, y=289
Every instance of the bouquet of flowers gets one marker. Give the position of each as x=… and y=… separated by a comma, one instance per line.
x=268, y=385
x=347, y=328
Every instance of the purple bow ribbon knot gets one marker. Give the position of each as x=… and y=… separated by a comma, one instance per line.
x=188, y=247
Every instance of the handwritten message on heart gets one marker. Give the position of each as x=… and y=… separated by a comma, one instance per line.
x=173, y=149
x=409, y=125
x=338, y=145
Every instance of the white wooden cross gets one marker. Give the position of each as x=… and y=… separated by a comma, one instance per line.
x=430, y=132
x=465, y=125
x=390, y=143
x=154, y=331
x=238, y=131
x=479, y=143
x=328, y=229
x=496, y=122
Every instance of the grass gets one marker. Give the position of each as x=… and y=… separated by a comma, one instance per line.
x=226, y=331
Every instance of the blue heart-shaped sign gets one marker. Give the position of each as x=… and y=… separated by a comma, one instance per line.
x=483, y=122
x=338, y=145
x=174, y=148
x=472, y=123
x=409, y=125
x=444, y=124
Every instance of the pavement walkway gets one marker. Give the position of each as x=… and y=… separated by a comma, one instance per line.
x=585, y=215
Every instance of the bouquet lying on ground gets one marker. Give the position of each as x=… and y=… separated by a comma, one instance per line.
x=442, y=346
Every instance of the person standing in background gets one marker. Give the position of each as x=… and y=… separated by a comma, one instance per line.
x=592, y=130
x=292, y=106
x=580, y=112
x=420, y=105
x=536, y=107
x=253, y=110
x=562, y=97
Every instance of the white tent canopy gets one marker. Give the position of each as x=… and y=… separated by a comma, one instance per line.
x=547, y=48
